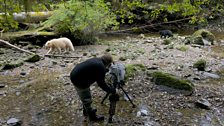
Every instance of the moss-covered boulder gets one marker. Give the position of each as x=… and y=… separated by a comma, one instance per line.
x=131, y=69
x=12, y=64
x=169, y=80
x=32, y=58
x=202, y=36
x=200, y=65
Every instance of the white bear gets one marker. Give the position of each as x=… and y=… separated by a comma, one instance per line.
x=59, y=44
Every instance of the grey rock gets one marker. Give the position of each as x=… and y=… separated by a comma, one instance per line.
x=203, y=103
x=18, y=93
x=14, y=122
x=2, y=85
x=21, y=81
x=2, y=93
x=211, y=75
x=142, y=112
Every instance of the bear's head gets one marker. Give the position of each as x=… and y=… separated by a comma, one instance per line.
x=48, y=44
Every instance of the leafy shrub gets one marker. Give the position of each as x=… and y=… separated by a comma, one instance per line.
x=82, y=19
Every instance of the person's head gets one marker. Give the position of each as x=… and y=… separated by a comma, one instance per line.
x=107, y=60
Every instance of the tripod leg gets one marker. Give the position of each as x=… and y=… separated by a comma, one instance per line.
x=133, y=105
x=105, y=97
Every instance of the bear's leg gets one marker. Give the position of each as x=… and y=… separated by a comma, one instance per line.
x=49, y=51
x=59, y=50
x=66, y=50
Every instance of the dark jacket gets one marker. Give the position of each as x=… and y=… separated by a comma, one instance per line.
x=88, y=72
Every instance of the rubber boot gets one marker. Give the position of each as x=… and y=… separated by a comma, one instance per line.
x=85, y=112
x=93, y=117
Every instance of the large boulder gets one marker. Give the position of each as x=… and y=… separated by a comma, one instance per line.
x=12, y=64
x=172, y=81
x=202, y=37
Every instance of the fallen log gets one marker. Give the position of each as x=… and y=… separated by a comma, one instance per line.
x=144, y=26
x=63, y=56
x=15, y=47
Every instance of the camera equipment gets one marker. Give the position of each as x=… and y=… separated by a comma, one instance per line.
x=113, y=100
x=116, y=74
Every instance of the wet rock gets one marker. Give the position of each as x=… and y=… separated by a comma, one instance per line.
x=14, y=122
x=23, y=73
x=2, y=85
x=142, y=112
x=31, y=67
x=2, y=93
x=203, y=103
x=21, y=81
x=152, y=68
x=148, y=41
x=54, y=62
x=122, y=58
x=63, y=65
x=196, y=78
x=94, y=54
x=211, y=75
x=85, y=54
x=18, y=93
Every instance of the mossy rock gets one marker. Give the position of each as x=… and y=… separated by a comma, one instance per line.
x=12, y=64
x=32, y=58
x=2, y=51
x=200, y=65
x=166, y=41
x=169, y=80
x=199, y=35
x=131, y=69
x=182, y=48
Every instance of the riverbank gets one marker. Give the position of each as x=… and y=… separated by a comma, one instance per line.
x=41, y=93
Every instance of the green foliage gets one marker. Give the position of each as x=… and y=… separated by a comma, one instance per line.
x=131, y=10
x=84, y=17
x=8, y=7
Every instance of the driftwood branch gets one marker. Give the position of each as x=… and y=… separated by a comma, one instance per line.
x=51, y=55
x=13, y=46
x=145, y=26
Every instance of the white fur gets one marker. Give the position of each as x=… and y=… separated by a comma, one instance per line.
x=59, y=44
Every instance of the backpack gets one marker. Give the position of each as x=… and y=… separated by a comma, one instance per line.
x=117, y=72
